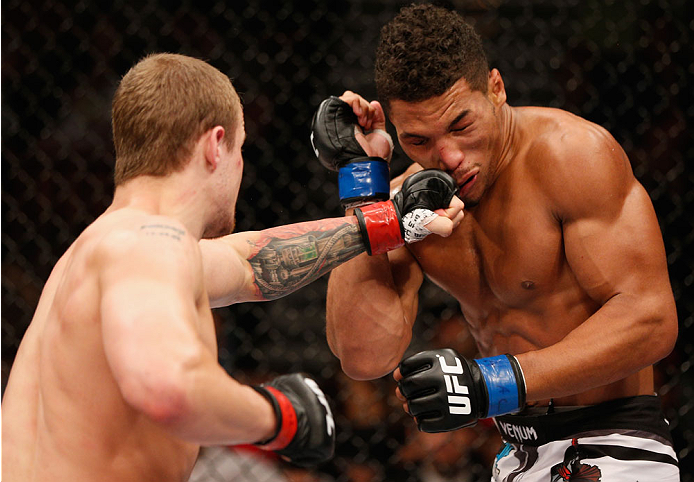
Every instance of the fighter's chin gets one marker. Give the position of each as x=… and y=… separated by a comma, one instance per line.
x=469, y=201
x=469, y=197
x=220, y=228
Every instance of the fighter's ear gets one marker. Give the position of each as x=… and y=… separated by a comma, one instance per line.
x=212, y=146
x=495, y=88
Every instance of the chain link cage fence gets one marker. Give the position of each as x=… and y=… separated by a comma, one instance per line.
x=625, y=65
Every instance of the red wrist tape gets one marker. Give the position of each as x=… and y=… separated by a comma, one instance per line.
x=288, y=422
x=380, y=227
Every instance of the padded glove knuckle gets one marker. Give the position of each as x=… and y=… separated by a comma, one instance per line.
x=430, y=189
x=332, y=134
x=314, y=439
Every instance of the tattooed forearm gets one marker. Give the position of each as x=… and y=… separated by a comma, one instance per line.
x=288, y=258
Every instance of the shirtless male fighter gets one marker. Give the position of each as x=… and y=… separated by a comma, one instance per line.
x=558, y=266
x=117, y=378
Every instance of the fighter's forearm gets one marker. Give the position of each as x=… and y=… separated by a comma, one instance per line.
x=188, y=393
x=368, y=324
x=215, y=409
x=283, y=259
x=286, y=258
x=624, y=336
x=269, y=264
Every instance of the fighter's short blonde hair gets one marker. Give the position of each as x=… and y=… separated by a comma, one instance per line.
x=161, y=108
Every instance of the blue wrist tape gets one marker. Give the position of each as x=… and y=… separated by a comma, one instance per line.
x=502, y=385
x=368, y=179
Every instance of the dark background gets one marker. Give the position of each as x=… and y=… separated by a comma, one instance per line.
x=627, y=66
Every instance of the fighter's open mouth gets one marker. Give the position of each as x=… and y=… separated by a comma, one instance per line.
x=468, y=180
x=466, y=186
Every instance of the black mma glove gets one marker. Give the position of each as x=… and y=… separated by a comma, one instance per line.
x=361, y=179
x=445, y=391
x=388, y=225
x=305, y=425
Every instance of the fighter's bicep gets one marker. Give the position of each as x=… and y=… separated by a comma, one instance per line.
x=229, y=277
x=408, y=278
x=617, y=248
x=407, y=275
x=147, y=310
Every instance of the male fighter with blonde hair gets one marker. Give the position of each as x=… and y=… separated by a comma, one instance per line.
x=116, y=378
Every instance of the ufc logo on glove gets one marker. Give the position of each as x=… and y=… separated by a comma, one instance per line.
x=445, y=391
x=456, y=404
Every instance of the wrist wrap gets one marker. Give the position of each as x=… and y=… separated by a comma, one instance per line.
x=287, y=423
x=380, y=227
x=504, y=382
x=366, y=179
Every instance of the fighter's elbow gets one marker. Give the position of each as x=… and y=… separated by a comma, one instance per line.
x=661, y=335
x=666, y=335
x=163, y=398
x=365, y=361
x=368, y=368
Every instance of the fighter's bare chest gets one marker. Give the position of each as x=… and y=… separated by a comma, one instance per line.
x=501, y=257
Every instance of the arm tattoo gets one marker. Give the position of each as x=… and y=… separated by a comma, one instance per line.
x=289, y=257
x=163, y=230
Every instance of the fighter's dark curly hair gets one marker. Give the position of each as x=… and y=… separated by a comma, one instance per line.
x=423, y=51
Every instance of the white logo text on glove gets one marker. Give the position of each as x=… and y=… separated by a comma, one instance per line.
x=457, y=404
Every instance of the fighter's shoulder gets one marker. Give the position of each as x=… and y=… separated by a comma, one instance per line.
x=573, y=158
x=131, y=238
x=568, y=141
